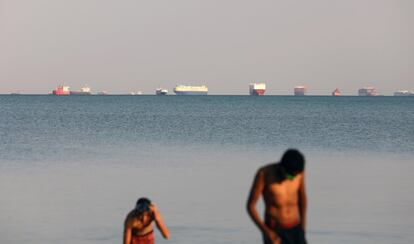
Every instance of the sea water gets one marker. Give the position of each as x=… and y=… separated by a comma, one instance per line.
x=71, y=168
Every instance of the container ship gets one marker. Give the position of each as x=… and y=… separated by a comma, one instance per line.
x=86, y=90
x=336, y=93
x=190, y=90
x=299, y=90
x=367, y=91
x=257, y=89
x=61, y=91
x=161, y=92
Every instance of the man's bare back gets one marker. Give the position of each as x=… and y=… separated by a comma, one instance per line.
x=284, y=195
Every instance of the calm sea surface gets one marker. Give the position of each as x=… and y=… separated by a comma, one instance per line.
x=72, y=167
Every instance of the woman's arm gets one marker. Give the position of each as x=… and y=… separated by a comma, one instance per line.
x=127, y=231
x=160, y=222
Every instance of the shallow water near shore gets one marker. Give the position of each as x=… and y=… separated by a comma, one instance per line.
x=72, y=167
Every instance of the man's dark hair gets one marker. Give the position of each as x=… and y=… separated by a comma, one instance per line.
x=142, y=206
x=293, y=162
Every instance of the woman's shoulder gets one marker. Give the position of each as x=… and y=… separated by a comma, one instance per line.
x=130, y=215
x=132, y=219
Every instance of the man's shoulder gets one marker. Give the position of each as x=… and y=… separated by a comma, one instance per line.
x=269, y=167
x=268, y=170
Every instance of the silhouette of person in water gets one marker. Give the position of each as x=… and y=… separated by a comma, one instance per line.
x=138, y=223
x=283, y=188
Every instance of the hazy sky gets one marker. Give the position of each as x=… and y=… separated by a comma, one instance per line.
x=130, y=45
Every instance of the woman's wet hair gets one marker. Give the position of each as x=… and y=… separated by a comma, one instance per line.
x=142, y=206
x=293, y=162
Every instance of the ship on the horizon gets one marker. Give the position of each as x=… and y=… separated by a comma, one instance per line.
x=367, y=91
x=102, y=93
x=161, y=92
x=190, y=90
x=404, y=93
x=257, y=89
x=136, y=93
x=86, y=90
x=299, y=90
x=61, y=91
x=336, y=93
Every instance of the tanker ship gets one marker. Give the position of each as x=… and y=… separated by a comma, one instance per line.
x=336, y=93
x=190, y=90
x=403, y=93
x=299, y=90
x=257, y=89
x=61, y=91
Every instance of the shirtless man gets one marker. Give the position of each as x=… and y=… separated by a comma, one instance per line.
x=283, y=188
x=138, y=224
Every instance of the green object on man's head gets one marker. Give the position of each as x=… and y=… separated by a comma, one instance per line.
x=290, y=177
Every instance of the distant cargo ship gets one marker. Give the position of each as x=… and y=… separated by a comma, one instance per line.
x=403, y=93
x=136, y=93
x=161, y=92
x=61, y=91
x=299, y=90
x=257, y=89
x=367, y=91
x=86, y=90
x=102, y=93
x=191, y=90
x=336, y=93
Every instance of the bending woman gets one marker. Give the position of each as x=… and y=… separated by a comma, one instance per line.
x=138, y=224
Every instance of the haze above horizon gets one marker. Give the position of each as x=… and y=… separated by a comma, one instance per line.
x=128, y=46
